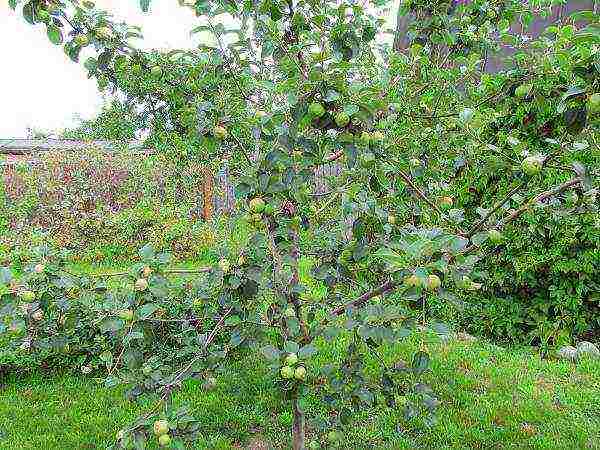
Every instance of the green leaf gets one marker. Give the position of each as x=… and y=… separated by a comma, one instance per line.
x=111, y=324
x=54, y=34
x=145, y=5
x=146, y=311
x=420, y=362
x=12, y=4
x=270, y=352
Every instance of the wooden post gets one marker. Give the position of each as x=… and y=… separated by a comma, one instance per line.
x=207, y=193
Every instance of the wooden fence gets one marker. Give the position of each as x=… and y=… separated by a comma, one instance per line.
x=215, y=191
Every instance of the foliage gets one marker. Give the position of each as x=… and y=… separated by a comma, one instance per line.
x=294, y=85
x=117, y=121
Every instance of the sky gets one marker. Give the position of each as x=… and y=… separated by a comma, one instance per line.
x=42, y=89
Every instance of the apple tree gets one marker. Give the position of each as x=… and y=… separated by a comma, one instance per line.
x=284, y=88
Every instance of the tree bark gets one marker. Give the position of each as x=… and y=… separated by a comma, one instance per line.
x=207, y=194
x=298, y=434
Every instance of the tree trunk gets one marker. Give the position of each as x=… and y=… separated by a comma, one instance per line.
x=298, y=436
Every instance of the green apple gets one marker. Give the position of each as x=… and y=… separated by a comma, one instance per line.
x=104, y=33
x=593, y=104
x=523, y=90
x=156, y=71
x=287, y=372
x=433, y=282
x=532, y=165
x=368, y=159
x=290, y=312
x=147, y=271
x=82, y=40
x=164, y=440
x=27, y=296
x=43, y=15
x=316, y=109
x=126, y=315
x=333, y=437
x=495, y=236
x=342, y=119
x=198, y=303
x=391, y=219
x=446, y=202
x=300, y=373
x=260, y=114
x=377, y=136
x=161, y=427
x=412, y=281
x=415, y=162
x=269, y=209
x=224, y=265
x=365, y=138
x=257, y=205
x=291, y=359
x=141, y=284
x=220, y=132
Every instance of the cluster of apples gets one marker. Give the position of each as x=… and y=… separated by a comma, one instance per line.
x=292, y=369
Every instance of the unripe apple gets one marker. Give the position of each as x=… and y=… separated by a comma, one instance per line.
x=377, y=136
x=104, y=33
x=209, y=384
x=315, y=109
x=82, y=40
x=269, y=209
x=198, y=303
x=224, y=265
x=433, y=282
x=291, y=359
x=27, y=296
x=342, y=119
x=220, y=132
x=164, y=440
x=260, y=114
x=368, y=159
x=593, y=103
x=147, y=271
x=495, y=237
x=39, y=268
x=333, y=437
x=156, y=71
x=290, y=312
x=415, y=162
x=412, y=281
x=38, y=315
x=257, y=205
x=287, y=372
x=141, y=284
x=300, y=373
x=446, y=202
x=523, y=90
x=161, y=427
x=532, y=165
x=365, y=138
x=391, y=219
x=126, y=315
x=43, y=15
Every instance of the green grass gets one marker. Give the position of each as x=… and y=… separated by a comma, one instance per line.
x=491, y=398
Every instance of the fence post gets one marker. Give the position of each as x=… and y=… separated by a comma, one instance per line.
x=207, y=193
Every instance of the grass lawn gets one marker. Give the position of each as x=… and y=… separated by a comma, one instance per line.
x=492, y=398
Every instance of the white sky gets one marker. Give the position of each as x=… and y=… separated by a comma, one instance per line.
x=41, y=88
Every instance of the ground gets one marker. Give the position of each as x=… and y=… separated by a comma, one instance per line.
x=491, y=398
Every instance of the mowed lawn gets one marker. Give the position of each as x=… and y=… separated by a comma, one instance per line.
x=491, y=398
